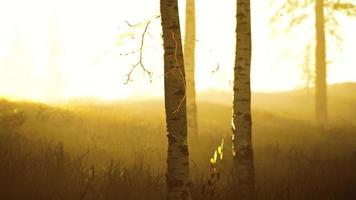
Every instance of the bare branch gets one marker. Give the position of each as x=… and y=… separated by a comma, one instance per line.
x=290, y=7
x=347, y=8
x=140, y=50
x=140, y=62
x=295, y=11
x=132, y=25
x=333, y=29
x=298, y=20
x=138, y=24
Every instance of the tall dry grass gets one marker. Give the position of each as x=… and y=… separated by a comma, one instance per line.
x=118, y=151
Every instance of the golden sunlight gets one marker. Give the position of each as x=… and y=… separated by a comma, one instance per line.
x=151, y=99
x=60, y=49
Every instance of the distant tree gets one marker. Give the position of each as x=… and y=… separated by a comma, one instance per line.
x=323, y=24
x=321, y=108
x=178, y=174
x=189, y=64
x=243, y=165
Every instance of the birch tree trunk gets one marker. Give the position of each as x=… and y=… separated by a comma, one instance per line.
x=189, y=64
x=320, y=79
x=243, y=164
x=178, y=174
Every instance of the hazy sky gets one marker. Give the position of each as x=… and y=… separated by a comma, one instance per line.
x=58, y=49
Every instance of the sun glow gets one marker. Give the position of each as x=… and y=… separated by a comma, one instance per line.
x=62, y=49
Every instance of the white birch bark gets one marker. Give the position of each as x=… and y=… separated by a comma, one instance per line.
x=243, y=169
x=178, y=174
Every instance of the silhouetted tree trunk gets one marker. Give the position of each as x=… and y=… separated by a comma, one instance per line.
x=178, y=175
x=243, y=169
x=189, y=64
x=320, y=59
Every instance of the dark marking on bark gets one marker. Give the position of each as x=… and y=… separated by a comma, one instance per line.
x=174, y=26
x=179, y=91
x=244, y=154
x=238, y=113
x=174, y=118
x=173, y=183
x=184, y=150
x=171, y=139
x=247, y=117
x=170, y=48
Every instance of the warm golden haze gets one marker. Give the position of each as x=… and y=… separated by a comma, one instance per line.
x=59, y=50
x=177, y=99
x=60, y=145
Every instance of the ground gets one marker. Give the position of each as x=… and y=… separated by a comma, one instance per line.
x=96, y=150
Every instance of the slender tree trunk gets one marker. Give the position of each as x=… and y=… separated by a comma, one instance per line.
x=189, y=64
x=178, y=174
x=243, y=169
x=320, y=79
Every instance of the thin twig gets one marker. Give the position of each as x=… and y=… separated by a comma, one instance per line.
x=140, y=62
x=129, y=53
x=216, y=69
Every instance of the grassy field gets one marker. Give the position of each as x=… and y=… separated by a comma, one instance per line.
x=117, y=150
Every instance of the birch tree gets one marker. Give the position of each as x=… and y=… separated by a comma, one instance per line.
x=189, y=64
x=243, y=164
x=178, y=175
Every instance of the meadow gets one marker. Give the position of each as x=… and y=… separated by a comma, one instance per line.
x=98, y=150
